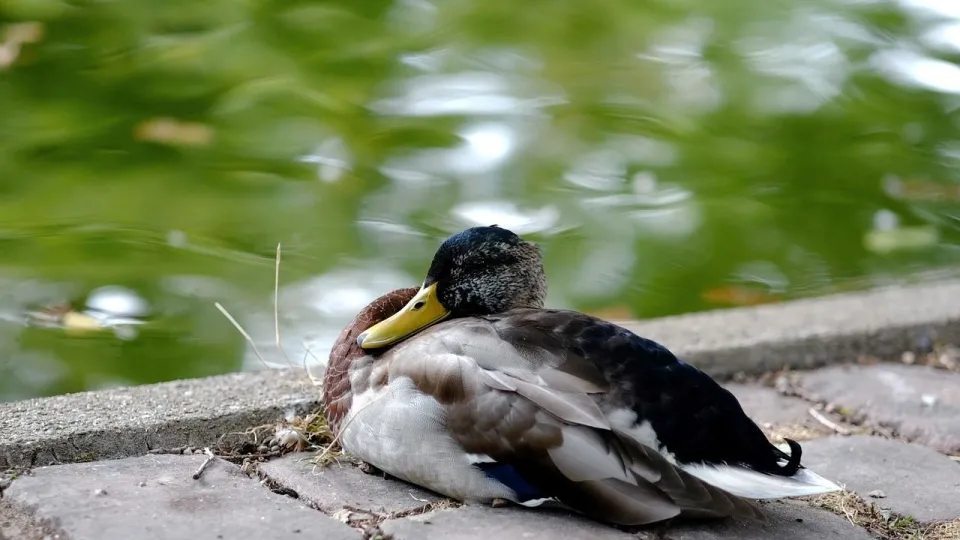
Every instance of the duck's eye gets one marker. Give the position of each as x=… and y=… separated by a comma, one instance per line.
x=418, y=305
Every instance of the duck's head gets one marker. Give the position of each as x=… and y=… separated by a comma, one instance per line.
x=479, y=271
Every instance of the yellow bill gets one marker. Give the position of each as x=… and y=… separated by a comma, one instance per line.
x=420, y=312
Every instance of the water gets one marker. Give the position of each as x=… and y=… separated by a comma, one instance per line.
x=669, y=157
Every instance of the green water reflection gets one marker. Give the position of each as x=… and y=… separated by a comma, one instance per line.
x=669, y=157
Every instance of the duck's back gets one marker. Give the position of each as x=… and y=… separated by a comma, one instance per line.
x=694, y=419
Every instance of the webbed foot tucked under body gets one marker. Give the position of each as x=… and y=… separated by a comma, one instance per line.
x=469, y=387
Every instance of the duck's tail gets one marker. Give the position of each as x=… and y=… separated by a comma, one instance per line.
x=793, y=481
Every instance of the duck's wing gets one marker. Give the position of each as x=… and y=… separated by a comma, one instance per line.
x=664, y=403
x=532, y=419
x=564, y=444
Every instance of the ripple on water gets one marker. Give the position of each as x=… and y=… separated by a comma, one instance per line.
x=508, y=215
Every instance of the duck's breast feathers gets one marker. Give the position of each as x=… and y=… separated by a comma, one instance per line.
x=337, y=391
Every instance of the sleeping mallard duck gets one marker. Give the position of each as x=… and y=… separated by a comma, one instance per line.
x=469, y=387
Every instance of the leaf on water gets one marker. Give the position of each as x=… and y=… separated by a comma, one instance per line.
x=174, y=132
x=15, y=35
x=738, y=295
x=613, y=313
x=890, y=240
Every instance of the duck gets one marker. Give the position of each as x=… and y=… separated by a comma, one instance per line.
x=469, y=387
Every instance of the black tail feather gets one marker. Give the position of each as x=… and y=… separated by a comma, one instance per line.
x=793, y=460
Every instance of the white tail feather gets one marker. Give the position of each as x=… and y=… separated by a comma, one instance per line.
x=754, y=485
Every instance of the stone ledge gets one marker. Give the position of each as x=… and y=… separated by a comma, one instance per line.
x=806, y=334
x=131, y=421
x=802, y=334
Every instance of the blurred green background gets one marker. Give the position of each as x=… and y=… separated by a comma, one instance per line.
x=669, y=156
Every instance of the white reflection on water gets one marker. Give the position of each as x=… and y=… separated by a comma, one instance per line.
x=118, y=301
x=802, y=56
x=914, y=69
x=949, y=151
x=413, y=16
x=505, y=59
x=33, y=370
x=486, y=146
x=647, y=151
x=655, y=209
x=489, y=59
x=606, y=268
x=885, y=220
x=506, y=214
x=471, y=92
x=943, y=37
x=691, y=79
x=651, y=196
x=403, y=170
x=332, y=159
x=762, y=272
x=342, y=293
x=943, y=8
x=393, y=240
x=428, y=61
x=380, y=228
x=18, y=296
x=678, y=221
x=694, y=88
x=385, y=215
x=605, y=168
x=681, y=43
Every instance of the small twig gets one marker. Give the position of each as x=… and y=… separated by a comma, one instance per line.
x=827, y=422
x=206, y=463
x=848, y=514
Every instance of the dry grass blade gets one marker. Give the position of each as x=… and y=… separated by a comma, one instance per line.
x=884, y=524
x=798, y=431
x=276, y=327
x=308, y=352
x=276, y=308
x=314, y=428
x=243, y=333
x=313, y=432
x=949, y=530
x=276, y=323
